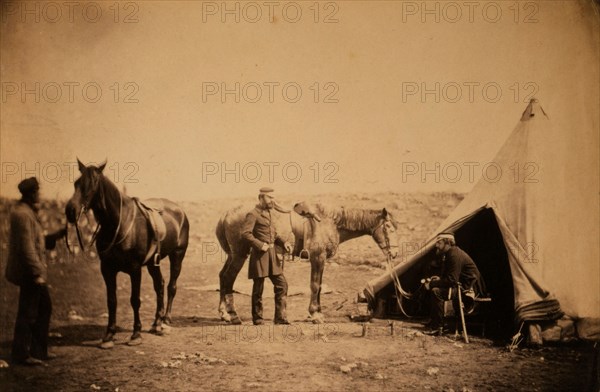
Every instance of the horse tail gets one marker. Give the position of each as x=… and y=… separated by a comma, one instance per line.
x=184, y=229
x=222, y=236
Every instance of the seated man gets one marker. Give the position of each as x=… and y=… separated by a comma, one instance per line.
x=457, y=267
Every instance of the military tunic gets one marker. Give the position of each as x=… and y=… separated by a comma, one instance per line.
x=26, y=259
x=258, y=230
x=458, y=267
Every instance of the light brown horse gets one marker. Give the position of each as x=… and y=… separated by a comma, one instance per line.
x=125, y=242
x=327, y=228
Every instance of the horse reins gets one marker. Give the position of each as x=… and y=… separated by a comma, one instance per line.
x=112, y=242
x=397, y=286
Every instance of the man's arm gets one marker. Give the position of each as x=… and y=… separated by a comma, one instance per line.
x=279, y=240
x=50, y=239
x=247, y=232
x=451, y=274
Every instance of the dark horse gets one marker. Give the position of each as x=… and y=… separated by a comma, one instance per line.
x=318, y=240
x=126, y=241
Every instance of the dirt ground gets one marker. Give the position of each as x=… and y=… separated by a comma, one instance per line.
x=202, y=353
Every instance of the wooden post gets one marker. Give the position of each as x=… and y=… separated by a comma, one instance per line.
x=364, y=330
x=462, y=315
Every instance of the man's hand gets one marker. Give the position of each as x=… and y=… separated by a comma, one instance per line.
x=265, y=247
x=433, y=282
x=427, y=282
x=427, y=287
x=288, y=247
x=61, y=233
x=39, y=281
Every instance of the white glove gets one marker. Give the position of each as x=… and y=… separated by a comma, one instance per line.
x=265, y=247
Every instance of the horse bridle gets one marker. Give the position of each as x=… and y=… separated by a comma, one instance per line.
x=112, y=243
x=387, y=247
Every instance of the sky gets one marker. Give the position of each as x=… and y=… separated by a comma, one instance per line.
x=192, y=100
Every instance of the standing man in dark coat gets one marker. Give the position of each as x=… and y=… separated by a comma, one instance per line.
x=259, y=231
x=26, y=267
x=457, y=268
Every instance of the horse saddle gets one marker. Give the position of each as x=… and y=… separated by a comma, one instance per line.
x=302, y=237
x=152, y=210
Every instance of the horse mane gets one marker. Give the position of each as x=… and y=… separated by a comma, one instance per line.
x=353, y=219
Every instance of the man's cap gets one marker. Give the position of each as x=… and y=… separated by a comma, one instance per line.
x=448, y=236
x=266, y=191
x=28, y=185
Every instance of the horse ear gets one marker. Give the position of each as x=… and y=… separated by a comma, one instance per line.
x=102, y=166
x=81, y=165
x=384, y=212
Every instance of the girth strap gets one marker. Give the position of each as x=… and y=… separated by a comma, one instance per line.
x=152, y=215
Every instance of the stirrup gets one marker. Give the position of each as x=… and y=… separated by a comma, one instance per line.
x=304, y=251
x=156, y=260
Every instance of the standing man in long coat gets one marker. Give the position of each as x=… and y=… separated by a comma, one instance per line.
x=259, y=231
x=27, y=268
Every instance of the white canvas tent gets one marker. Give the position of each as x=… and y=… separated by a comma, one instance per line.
x=532, y=229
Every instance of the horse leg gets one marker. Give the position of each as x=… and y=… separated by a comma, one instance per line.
x=176, y=260
x=229, y=273
x=223, y=313
x=321, y=270
x=110, y=280
x=159, y=289
x=136, y=282
x=317, y=263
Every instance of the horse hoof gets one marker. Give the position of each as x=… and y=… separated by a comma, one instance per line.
x=166, y=329
x=134, y=342
x=235, y=320
x=318, y=318
x=107, y=345
x=157, y=330
x=225, y=317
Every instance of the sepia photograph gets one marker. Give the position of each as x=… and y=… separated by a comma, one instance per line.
x=308, y=195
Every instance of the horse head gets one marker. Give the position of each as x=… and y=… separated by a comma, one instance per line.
x=304, y=209
x=86, y=190
x=384, y=234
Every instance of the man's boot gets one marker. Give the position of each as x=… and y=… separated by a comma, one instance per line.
x=280, y=286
